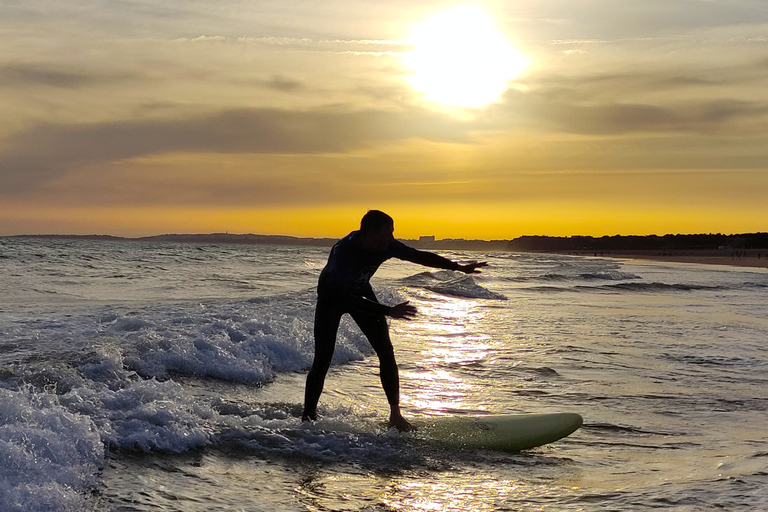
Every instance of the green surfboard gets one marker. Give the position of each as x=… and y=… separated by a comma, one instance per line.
x=505, y=432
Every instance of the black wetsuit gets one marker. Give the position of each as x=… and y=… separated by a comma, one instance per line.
x=344, y=287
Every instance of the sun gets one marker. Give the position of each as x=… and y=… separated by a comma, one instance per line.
x=461, y=58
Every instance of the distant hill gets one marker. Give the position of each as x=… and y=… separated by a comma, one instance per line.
x=227, y=238
x=211, y=238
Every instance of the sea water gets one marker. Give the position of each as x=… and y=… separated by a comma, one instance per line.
x=169, y=377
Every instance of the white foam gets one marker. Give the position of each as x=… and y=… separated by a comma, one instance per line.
x=108, y=383
x=611, y=275
x=246, y=342
x=145, y=416
x=50, y=455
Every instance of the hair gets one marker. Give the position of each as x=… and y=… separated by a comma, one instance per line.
x=374, y=220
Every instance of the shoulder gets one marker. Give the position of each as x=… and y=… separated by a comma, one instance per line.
x=398, y=249
x=346, y=242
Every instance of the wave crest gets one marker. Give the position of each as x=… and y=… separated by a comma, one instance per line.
x=448, y=283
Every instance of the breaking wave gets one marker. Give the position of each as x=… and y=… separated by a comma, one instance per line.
x=447, y=283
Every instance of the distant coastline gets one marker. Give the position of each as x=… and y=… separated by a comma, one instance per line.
x=558, y=244
x=209, y=238
x=746, y=249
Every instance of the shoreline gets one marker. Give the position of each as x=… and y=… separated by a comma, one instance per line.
x=749, y=258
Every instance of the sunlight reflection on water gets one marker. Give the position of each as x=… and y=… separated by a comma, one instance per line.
x=436, y=384
x=463, y=491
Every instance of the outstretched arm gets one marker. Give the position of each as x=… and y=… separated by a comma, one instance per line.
x=433, y=260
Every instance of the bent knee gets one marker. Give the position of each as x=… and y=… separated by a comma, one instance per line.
x=387, y=358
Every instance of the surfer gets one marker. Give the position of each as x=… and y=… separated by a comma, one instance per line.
x=344, y=287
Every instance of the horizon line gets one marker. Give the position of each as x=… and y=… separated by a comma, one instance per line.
x=420, y=238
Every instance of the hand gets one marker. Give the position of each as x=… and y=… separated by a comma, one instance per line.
x=402, y=310
x=472, y=267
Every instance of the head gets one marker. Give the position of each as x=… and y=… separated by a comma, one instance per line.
x=376, y=229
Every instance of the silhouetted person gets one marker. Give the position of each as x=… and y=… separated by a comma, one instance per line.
x=344, y=287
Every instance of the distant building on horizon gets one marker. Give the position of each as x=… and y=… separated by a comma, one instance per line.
x=427, y=239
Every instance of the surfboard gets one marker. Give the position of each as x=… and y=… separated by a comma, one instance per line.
x=504, y=432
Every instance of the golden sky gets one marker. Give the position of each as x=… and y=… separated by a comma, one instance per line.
x=489, y=119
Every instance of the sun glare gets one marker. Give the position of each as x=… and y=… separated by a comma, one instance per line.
x=461, y=58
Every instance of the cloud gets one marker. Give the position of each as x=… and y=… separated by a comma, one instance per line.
x=46, y=151
x=665, y=77
x=612, y=118
x=689, y=99
x=24, y=75
x=281, y=83
x=600, y=19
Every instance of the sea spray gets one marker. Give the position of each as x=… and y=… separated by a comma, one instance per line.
x=50, y=454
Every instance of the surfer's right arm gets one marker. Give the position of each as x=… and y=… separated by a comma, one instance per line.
x=403, y=310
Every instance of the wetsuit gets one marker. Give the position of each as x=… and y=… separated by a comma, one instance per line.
x=344, y=287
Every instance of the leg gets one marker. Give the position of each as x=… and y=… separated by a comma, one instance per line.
x=327, y=318
x=376, y=330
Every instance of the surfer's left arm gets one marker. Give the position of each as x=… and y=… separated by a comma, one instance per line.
x=430, y=259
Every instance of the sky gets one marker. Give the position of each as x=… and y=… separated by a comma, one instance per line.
x=489, y=119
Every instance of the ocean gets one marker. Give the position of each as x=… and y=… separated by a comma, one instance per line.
x=139, y=376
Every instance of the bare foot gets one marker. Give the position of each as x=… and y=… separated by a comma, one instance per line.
x=401, y=424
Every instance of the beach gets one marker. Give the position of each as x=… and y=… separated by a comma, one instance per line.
x=748, y=258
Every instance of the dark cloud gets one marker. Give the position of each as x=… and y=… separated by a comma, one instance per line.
x=281, y=83
x=618, y=103
x=15, y=75
x=46, y=151
x=690, y=76
x=606, y=119
x=24, y=75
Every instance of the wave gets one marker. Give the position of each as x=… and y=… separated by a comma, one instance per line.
x=656, y=286
x=50, y=454
x=585, y=276
x=447, y=283
x=546, y=289
x=609, y=276
x=112, y=381
x=710, y=361
x=623, y=429
x=628, y=287
x=53, y=446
